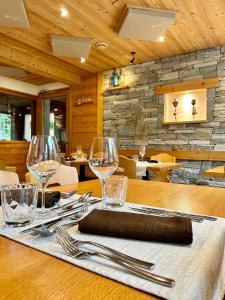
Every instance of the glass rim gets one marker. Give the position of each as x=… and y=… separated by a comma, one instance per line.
x=18, y=186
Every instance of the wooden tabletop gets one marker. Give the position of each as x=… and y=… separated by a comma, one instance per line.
x=29, y=274
x=163, y=166
x=216, y=172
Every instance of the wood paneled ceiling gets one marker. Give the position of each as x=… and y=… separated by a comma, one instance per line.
x=199, y=25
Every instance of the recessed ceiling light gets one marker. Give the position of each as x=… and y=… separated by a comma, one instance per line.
x=55, y=109
x=161, y=39
x=82, y=60
x=101, y=45
x=64, y=12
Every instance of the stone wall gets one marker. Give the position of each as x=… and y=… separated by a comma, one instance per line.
x=134, y=115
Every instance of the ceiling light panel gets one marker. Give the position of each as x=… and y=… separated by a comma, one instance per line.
x=65, y=46
x=11, y=71
x=145, y=23
x=13, y=14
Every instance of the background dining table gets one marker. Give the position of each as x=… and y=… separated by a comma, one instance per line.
x=216, y=172
x=27, y=273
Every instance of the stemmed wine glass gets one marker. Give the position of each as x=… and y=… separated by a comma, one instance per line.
x=43, y=160
x=103, y=161
x=142, y=151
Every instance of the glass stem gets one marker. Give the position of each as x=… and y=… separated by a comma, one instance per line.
x=43, y=186
x=103, y=183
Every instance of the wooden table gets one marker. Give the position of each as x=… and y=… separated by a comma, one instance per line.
x=161, y=170
x=29, y=274
x=216, y=172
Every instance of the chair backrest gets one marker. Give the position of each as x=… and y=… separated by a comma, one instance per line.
x=2, y=165
x=64, y=175
x=8, y=178
x=128, y=165
x=164, y=157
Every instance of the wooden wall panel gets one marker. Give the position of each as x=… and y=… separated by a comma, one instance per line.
x=84, y=119
x=14, y=153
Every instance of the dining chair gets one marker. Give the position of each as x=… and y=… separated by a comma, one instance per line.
x=8, y=178
x=2, y=165
x=128, y=165
x=63, y=176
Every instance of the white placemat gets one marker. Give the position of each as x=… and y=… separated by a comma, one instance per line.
x=198, y=269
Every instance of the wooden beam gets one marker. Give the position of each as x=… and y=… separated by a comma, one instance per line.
x=19, y=55
x=100, y=105
x=187, y=85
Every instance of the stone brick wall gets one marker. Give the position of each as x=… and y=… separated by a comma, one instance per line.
x=134, y=115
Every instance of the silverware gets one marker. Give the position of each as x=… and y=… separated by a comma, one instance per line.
x=51, y=222
x=72, y=250
x=69, y=205
x=162, y=214
x=64, y=195
x=127, y=258
x=174, y=213
x=92, y=202
x=48, y=230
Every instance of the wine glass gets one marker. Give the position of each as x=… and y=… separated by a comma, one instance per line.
x=43, y=160
x=142, y=151
x=103, y=161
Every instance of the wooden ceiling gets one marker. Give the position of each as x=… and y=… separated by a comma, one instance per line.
x=199, y=25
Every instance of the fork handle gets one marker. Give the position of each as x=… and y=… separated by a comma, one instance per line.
x=127, y=258
x=140, y=272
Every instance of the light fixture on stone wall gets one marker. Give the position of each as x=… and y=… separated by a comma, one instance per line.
x=175, y=104
x=132, y=57
x=194, y=109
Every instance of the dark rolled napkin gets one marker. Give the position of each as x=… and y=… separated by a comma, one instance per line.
x=138, y=226
x=152, y=161
x=51, y=198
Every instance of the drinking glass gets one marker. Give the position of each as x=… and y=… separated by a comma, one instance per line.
x=116, y=191
x=19, y=202
x=142, y=151
x=43, y=160
x=103, y=161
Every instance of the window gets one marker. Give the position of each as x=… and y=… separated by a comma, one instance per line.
x=5, y=127
x=17, y=117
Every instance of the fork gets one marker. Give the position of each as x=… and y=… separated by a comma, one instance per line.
x=72, y=250
x=127, y=258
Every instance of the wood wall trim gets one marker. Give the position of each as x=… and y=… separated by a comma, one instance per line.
x=100, y=105
x=181, y=154
x=17, y=54
x=187, y=85
x=18, y=94
x=54, y=93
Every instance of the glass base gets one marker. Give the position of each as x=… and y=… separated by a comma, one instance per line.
x=111, y=204
x=41, y=214
x=17, y=223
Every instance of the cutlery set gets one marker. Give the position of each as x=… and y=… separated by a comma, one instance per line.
x=135, y=266
x=168, y=213
x=69, y=215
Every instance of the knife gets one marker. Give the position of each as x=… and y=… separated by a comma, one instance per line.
x=60, y=217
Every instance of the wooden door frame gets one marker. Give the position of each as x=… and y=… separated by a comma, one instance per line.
x=49, y=95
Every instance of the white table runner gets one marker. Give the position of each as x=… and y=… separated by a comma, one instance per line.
x=198, y=269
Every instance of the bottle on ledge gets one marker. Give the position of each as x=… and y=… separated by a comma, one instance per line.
x=115, y=78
